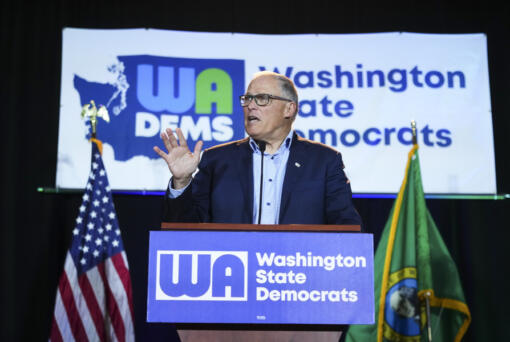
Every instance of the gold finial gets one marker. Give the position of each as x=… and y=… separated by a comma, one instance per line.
x=413, y=127
x=91, y=111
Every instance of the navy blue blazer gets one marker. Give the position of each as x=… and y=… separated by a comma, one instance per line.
x=315, y=188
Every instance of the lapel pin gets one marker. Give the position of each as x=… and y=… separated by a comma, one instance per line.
x=297, y=164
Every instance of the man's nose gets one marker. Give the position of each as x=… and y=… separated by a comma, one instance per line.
x=252, y=105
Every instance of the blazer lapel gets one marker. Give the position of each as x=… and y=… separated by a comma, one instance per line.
x=245, y=171
x=294, y=171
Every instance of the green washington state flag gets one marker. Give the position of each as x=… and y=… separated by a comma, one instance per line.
x=412, y=262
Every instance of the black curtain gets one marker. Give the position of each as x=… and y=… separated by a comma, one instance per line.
x=36, y=227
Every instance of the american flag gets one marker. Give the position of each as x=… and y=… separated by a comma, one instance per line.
x=94, y=300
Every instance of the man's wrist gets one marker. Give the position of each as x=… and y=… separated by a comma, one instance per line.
x=179, y=183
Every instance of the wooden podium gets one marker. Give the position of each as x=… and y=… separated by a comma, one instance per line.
x=259, y=332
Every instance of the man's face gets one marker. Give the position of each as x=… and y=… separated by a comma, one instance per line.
x=269, y=123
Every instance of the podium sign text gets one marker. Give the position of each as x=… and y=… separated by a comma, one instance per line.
x=260, y=277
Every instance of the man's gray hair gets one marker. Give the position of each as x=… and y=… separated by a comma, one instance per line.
x=286, y=85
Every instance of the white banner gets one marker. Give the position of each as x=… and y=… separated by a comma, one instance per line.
x=358, y=93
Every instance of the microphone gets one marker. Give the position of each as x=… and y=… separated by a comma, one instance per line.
x=262, y=147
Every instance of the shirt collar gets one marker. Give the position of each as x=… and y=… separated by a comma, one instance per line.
x=286, y=143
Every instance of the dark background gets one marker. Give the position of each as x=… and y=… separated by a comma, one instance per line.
x=35, y=230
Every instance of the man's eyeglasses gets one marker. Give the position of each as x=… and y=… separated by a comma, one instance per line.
x=260, y=99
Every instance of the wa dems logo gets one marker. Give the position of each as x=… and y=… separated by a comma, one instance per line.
x=153, y=93
x=202, y=275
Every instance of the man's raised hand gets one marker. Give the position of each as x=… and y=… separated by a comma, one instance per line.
x=181, y=162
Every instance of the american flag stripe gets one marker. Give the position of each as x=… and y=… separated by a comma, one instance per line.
x=93, y=305
x=80, y=300
x=111, y=333
x=60, y=322
x=96, y=283
x=75, y=322
x=111, y=305
x=124, y=258
x=55, y=332
x=120, y=275
x=123, y=273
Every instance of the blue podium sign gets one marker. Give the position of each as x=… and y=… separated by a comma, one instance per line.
x=260, y=277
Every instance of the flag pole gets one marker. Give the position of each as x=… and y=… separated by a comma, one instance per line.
x=413, y=128
x=427, y=294
x=427, y=304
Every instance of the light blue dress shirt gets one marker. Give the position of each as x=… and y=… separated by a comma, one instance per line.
x=275, y=166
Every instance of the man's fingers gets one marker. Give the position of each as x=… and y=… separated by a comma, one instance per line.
x=182, y=141
x=161, y=153
x=198, y=148
x=166, y=142
x=171, y=137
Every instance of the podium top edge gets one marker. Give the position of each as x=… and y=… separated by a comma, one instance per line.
x=261, y=227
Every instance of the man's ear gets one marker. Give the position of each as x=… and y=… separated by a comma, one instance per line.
x=290, y=110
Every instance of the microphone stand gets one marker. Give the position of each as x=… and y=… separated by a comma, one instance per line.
x=262, y=148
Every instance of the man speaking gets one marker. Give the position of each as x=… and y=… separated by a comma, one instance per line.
x=272, y=177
